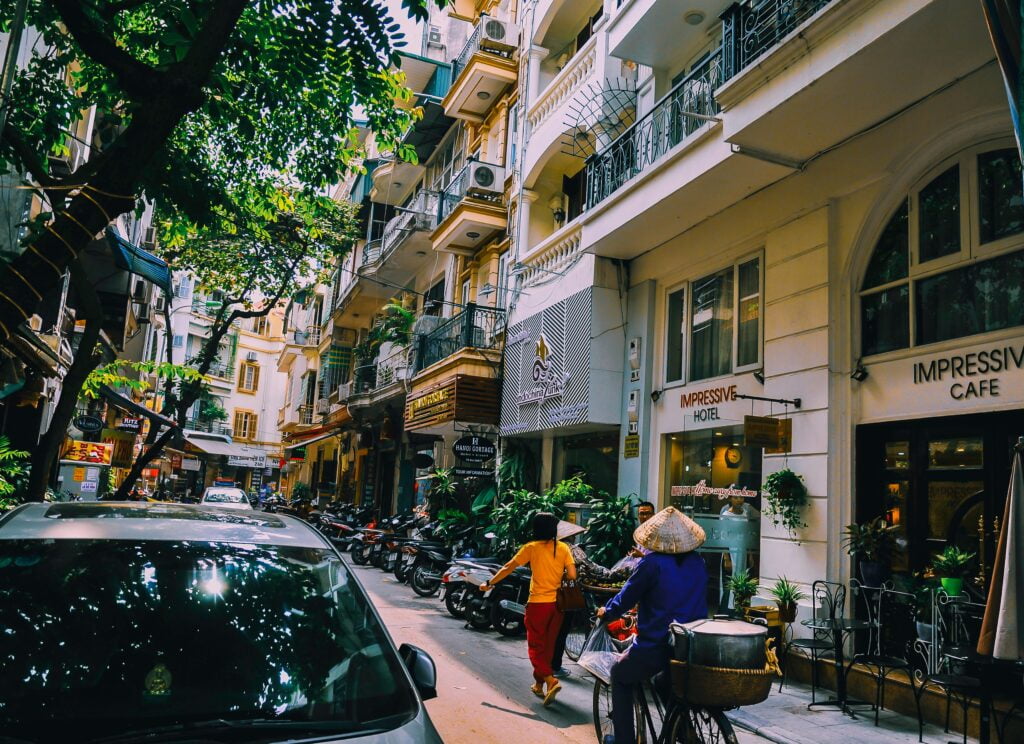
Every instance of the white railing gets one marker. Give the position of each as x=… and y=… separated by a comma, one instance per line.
x=564, y=85
x=554, y=254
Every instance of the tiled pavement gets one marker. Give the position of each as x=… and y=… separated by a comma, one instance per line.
x=784, y=718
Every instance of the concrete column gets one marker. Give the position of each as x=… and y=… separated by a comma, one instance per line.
x=634, y=472
x=536, y=55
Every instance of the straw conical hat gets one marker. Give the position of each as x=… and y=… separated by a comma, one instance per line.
x=670, y=531
x=568, y=529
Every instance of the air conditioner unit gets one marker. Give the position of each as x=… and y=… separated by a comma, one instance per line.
x=485, y=178
x=498, y=35
x=149, y=238
x=142, y=314
x=139, y=293
x=344, y=391
x=323, y=405
x=159, y=303
x=250, y=356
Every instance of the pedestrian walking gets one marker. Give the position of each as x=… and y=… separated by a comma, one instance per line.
x=567, y=533
x=549, y=561
x=669, y=585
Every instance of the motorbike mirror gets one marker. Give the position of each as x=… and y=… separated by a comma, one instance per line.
x=421, y=668
x=490, y=535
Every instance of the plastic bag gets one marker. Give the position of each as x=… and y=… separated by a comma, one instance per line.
x=599, y=653
x=625, y=566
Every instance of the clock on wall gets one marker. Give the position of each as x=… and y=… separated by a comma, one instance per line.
x=733, y=456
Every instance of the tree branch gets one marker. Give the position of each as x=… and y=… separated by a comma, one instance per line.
x=137, y=78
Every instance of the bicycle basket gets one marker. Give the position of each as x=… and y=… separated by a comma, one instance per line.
x=719, y=687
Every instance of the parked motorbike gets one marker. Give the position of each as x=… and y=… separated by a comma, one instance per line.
x=461, y=579
x=503, y=605
x=431, y=564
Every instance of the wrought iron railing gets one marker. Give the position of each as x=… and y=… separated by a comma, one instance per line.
x=196, y=423
x=750, y=29
x=461, y=62
x=371, y=255
x=222, y=370
x=473, y=328
x=305, y=415
x=422, y=215
x=675, y=117
x=452, y=194
x=383, y=372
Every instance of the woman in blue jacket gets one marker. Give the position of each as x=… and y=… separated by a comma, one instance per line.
x=670, y=586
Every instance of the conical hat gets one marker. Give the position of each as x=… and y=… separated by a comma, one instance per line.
x=669, y=531
x=568, y=529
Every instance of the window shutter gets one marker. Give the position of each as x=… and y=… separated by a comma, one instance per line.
x=239, y=428
x=255, y=377
x=252, y=426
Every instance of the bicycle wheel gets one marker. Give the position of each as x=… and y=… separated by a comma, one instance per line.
x=603, y=714
x=701, y=726
x=577, y=635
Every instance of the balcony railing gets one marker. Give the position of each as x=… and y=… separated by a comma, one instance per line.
x=371, y=254
x=674, y=118
x=750, y=29
x=473, y=46
x=473, y=328
x=221, y=370
x=422, y=215
x=383, y=372
x=195, y=423
x=305, y=415
x=308, y=337
x=454, y=193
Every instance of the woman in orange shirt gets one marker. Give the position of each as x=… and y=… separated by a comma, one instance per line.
x=549, y=561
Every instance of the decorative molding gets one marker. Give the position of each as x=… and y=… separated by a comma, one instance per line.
x=566, y=83
x=553, y=254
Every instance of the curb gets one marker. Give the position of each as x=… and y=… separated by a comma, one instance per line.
x=757, y=725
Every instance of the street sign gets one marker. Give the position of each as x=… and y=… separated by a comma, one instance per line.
x=88, y=486
x=87, y=423
x=474, y=449
x=473, y=473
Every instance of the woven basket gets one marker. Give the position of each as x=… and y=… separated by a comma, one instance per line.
x=718, y=687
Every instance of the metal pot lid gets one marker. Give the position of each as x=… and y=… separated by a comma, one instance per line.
x=720, y=627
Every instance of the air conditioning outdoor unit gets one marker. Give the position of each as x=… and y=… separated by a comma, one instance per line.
x=323, y=405
x=485, y=178
x=159, y=303
x=142, y=314
x=149, y=238
x=250, y=356
x=139, y=290
x=344, y=391
x=498, y=35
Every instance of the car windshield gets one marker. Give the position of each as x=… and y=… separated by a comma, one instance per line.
x=234, y=496
x=104, y=637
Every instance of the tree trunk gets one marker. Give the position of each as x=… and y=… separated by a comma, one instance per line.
x=84, y=362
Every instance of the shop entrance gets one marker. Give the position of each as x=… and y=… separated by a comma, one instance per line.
x=942, y=481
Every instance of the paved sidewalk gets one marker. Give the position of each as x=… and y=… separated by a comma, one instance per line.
x=784, y=718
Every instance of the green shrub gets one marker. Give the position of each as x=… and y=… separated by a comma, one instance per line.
x=609, y=534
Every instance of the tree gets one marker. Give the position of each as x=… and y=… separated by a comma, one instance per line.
x=197, y=101
x=256, y=265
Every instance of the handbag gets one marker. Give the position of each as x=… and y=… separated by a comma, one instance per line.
x=570, y=596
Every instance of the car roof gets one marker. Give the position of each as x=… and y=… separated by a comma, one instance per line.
x=130, y=520
x=210, y=489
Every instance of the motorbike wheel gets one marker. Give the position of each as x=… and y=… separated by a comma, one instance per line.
x=377, y=558
x=507, y=623
x=423, y=586
x=401, y=572
x=478, y=615
x=359, y=554
x=454, y=601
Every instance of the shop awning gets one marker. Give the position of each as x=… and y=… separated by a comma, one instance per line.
x=139, y=262
x=313, y=439
x=217, y=446
x=129, y=405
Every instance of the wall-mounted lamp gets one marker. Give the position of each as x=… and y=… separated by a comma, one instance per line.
x=859, y=373
x=655, y=396
x=759, y=375
x=557, y=205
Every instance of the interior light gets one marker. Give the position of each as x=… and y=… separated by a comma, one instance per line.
x=719, y=434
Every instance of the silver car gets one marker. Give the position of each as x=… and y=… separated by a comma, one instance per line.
x=226, y=496
x=159, y=622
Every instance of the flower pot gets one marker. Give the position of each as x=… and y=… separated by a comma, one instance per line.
x=873, y=573
x=787, y=612
x=925, y=631
x=952, y=585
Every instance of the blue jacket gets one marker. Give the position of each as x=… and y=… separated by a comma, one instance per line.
x=666, y=592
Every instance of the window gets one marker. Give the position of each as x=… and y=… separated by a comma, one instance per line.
x=465, y=291
x=966, y=276
x=433, y=300
x=261, y=325
x=183, y=288
x=449, y=159
x=715, y=323
x=249, y=378
x=178, y=341
x=245, y=425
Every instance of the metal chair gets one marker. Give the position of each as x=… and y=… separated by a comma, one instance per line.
x=828, y=600
x=957, y=635
x=892, y=631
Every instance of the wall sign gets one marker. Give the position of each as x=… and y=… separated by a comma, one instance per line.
x=89, y=486
x=631, y=447
x=474, y=449
x=971, y=375
x=87, y=423
x=190, y=463
x=98, y=453
x=130, y=423
x=473, y=472
x=247, y=461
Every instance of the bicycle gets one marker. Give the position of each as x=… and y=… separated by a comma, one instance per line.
x=674, y=722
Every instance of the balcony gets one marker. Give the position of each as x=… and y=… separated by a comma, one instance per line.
x=305, y=417
x=195, y=423
x=662, y=33
x=398, y=255
x=687, y=108
x=475, y=327
x=483, y=70
x=374, y=383
x=470, y=210
x=308, y=337
x=222, y=370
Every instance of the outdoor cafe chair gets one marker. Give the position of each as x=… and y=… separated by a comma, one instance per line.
x=828, y=601
x=891, y=616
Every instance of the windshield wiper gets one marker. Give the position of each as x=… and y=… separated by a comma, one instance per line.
x=314, y=730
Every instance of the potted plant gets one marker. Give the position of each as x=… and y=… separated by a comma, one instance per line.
x=786, y=595
x=786, y=497
x=951, y=565
x=743, y=587
x=872, y=544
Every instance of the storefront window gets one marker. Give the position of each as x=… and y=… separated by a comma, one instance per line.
x=714, y=477
x=596, y=456
x=980, y=292
x=952, y=454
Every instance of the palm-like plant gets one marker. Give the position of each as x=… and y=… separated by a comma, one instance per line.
x=12, y=466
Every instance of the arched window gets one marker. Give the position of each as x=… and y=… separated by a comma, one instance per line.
x=949, y=262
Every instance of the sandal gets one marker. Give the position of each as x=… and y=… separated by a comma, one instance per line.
x=549, y=697
x=537, y=689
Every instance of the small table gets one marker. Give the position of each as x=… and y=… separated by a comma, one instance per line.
x=838, y=627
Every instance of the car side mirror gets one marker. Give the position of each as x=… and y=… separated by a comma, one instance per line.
x=422, y=669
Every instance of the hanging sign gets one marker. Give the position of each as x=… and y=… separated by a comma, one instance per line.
x=176, y=461
x=474, y=449
x=87, y=423
x=98, y=453
x=189, y=463
x=773, y=434
x=130, y=423
x=247, y=461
